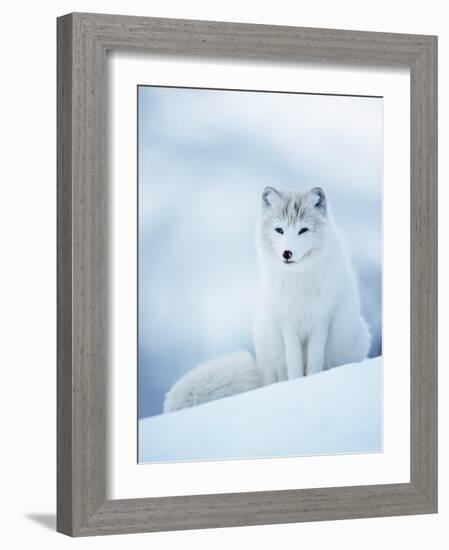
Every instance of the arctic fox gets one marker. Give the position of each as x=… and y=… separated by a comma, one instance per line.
x=309, y=316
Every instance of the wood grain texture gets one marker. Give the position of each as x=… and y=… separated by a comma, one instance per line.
x=64, y=277
x=423, y=274
x=83, y=40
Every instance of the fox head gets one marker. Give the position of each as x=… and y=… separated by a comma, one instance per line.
x=294, y=227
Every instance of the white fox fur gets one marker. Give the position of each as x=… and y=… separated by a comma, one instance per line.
x=309, y=316
x=220, y=377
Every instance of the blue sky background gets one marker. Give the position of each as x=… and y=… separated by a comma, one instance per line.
x=204, y=158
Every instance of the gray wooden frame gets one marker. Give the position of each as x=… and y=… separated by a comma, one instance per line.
x=83, y=40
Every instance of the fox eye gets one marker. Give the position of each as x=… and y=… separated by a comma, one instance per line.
x=279, y=230
x=303, y=230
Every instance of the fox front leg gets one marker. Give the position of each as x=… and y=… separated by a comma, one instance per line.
x=316, y=346
x=293, y=353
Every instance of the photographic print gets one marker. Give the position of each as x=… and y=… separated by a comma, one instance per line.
x=259, y=274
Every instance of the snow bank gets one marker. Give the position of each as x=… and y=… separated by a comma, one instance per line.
x=337, y=411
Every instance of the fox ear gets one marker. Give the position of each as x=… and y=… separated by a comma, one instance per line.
x=318, y=199
x=271, y=197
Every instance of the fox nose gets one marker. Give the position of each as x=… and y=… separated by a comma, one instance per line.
x=287, y=254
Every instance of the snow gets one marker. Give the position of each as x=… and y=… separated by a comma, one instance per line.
x=333, y=412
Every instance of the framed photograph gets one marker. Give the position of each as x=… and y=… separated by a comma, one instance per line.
x=247, y=282
x=244, y=222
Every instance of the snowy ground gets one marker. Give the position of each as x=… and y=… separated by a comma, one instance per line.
x=337, y=411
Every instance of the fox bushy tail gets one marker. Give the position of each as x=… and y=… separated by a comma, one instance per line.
x=222, y=376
